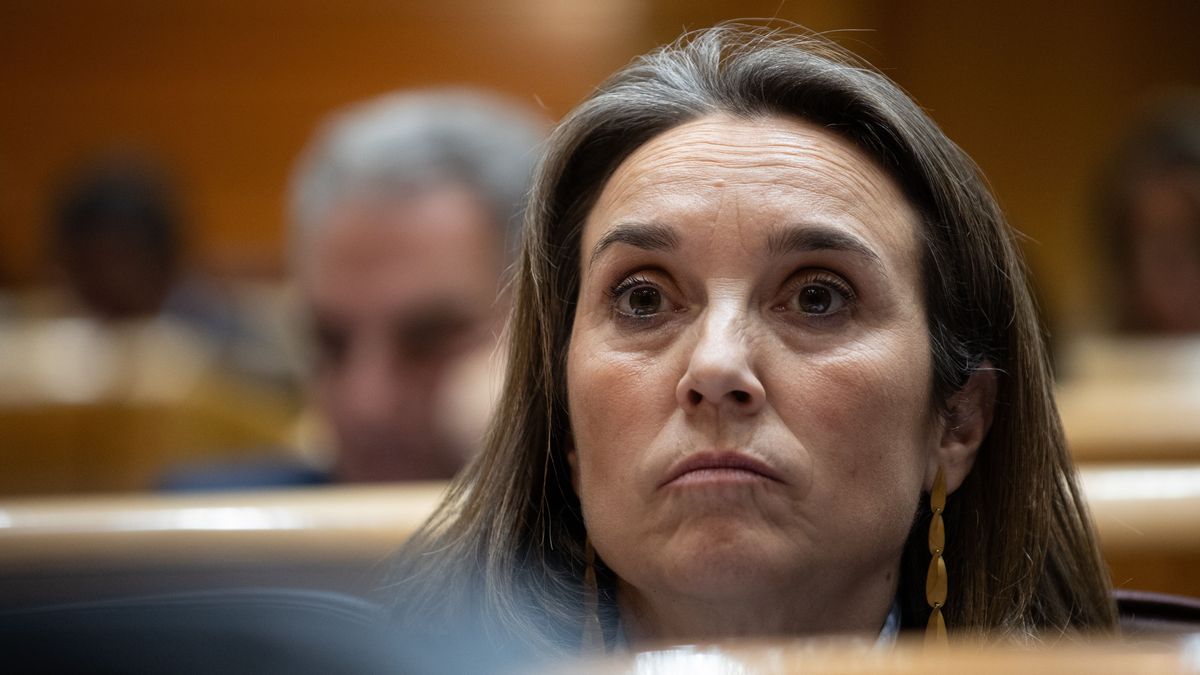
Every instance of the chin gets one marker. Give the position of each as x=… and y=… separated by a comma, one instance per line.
x=727, y=562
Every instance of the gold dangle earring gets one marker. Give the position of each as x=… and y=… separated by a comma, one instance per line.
x=593, y=634
x=936, y=581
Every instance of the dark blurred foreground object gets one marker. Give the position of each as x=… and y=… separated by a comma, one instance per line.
x=1146, y=614
x=262, y=631
x=230, y=631
x=304, y=631
x=1150, y=207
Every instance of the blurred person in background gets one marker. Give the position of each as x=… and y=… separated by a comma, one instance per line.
x=118, y=239
x=1150, y=207
x=132, y=362
x=1129, y=392
x=405, y=212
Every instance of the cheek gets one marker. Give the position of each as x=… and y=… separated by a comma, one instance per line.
x=619, y=405
x=865, y=394
x=615, y=403
x=863, y=413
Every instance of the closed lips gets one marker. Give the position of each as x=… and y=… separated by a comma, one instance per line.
x=724, y=460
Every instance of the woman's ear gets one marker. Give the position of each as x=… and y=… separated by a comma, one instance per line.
x=963, y=428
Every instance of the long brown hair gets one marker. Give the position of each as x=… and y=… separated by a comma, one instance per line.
x=506, y=546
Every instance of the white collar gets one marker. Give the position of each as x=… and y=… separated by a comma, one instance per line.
x=891, y=626
x=887, y=635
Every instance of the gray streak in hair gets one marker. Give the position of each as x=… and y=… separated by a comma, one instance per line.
x=405, y=141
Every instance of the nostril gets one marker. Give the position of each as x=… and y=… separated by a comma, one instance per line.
x=741, y=396
x=694, y=397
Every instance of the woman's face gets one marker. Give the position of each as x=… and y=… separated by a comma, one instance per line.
x=749, y=369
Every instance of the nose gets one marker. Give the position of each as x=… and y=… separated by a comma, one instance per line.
x=369, y=393
x=720, y=372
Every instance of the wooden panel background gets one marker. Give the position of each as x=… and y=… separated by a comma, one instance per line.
x=228, y=91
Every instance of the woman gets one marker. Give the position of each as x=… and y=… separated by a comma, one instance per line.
x=766, y=313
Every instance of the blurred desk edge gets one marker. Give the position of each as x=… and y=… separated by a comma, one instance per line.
x=1147, y=517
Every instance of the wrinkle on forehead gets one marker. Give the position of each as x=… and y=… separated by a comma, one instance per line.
x=718, y=142
x=720, y=162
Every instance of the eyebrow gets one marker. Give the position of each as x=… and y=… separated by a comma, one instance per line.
x=795, y=238
x=806, y=237
x=646, y=236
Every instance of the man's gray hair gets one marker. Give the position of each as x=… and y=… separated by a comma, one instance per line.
x=405, y=141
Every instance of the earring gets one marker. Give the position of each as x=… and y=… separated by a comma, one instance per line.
x=593, y=634
x=936, y=581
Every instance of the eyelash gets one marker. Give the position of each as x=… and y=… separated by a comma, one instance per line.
x=826, y=278
x=833, y=281
x=615, y=292
x=627, y=283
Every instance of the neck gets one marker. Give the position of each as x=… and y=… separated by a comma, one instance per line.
x=649, y=618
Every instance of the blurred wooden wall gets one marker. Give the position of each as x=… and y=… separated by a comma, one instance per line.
x=227, y=92
x=1038, y=94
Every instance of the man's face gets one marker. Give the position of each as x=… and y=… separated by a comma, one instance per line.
x=399, y=289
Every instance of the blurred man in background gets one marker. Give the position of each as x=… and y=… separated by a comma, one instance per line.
x=406, y=211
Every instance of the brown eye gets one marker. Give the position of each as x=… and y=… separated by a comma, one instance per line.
x=814, y=299
x=820, y=295
x=640, y=301
x=638, y=298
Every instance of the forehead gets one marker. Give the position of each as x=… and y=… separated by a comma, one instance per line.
x=760, y=173
x=369, y=248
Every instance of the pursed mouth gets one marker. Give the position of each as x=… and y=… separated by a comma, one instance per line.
x=715, y=463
